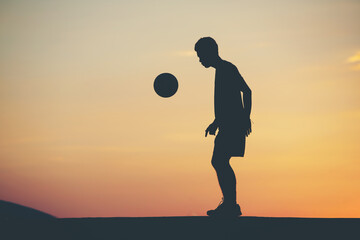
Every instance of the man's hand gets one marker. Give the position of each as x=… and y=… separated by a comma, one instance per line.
x=248, y=127
x=211, y=129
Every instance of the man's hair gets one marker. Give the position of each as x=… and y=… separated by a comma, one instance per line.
x=207, y=44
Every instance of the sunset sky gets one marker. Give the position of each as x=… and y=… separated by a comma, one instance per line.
x=83, y=134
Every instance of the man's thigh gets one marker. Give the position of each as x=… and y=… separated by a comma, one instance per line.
x=229, y=144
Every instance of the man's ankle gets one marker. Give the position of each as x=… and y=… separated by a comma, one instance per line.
x=230, y=203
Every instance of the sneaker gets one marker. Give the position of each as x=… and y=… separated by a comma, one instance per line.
x=223, y=210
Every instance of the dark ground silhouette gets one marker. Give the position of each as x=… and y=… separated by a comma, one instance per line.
x=182, y=228
x=9, y=210
x=35, y=227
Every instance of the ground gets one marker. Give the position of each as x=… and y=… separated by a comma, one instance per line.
x=181, y=228
x=19, y=222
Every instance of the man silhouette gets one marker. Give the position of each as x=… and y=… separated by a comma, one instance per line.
x=232, y=118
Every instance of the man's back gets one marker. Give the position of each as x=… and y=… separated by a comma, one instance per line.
x=229, y=108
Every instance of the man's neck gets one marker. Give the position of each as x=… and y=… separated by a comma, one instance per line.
x=217, y=62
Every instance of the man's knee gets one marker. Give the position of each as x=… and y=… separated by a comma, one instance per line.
x=220, y=161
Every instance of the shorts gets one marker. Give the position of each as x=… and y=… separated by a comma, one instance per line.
x=230, y=142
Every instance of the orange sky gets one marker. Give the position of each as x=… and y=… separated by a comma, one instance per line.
x=83, y=134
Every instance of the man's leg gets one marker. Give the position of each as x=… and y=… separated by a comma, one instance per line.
x=226, y=177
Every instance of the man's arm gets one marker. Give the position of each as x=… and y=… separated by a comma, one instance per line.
x=247, y=108
x=216, y=122
x=246, y=92
x=247, y=100
x=247, y=97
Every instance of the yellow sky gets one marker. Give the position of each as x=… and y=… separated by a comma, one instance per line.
x=84, y=134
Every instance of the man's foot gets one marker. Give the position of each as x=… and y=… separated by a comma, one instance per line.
x=225, y=210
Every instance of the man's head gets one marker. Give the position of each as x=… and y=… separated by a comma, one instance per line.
x=207, y=51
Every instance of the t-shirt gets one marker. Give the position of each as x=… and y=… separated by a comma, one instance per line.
x=228, y=103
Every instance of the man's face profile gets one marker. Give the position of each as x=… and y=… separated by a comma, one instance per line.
x=204, y=59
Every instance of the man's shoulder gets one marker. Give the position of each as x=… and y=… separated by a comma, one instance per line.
x=229, y=69
x=226, y=65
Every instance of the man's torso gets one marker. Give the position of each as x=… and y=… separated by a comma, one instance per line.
x=229, y=108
